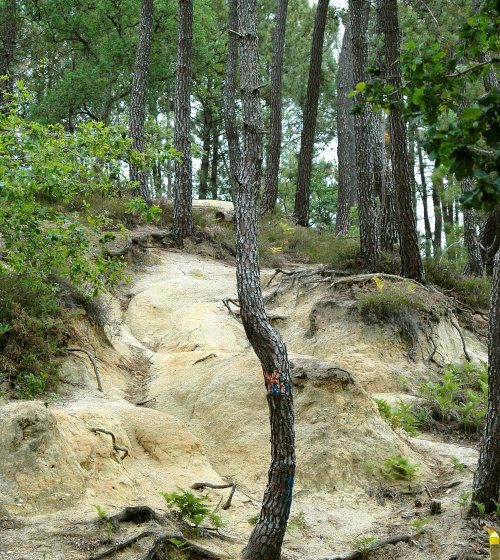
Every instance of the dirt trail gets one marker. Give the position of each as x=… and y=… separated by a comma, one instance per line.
x=172, y=346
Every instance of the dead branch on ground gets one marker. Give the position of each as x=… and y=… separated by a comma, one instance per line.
x=116, y=446
x=122, y=545
x=357, y=554
x=232, y=485
x=94, y=364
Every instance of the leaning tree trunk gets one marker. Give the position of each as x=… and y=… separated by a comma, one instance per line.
x=487, y=477
x=367, y=206
x=411, y=261
x=138, y=92
x=183, y=181
x=346, y=152
x=267, y=537
x=310, y=113
x=270, y=195
x=7, y=46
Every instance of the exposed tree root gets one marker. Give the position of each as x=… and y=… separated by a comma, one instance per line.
x=207, y=357
x=227, y=301
x=122, y=545
x=163, y=541
x=94, y=364
x=232, y=485
x=356, y=554
x=135, y=514
x=116, y=446
x=459, y=330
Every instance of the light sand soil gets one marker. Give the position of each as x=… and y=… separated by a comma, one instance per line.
x=172, y=345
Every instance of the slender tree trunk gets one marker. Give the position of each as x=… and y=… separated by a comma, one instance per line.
x=389, y=234
x=411, y=261
x=367, y=206
x=490, y=239
x=137, y=119
x=487, y=477
x=157, y=178
x=447, y=209
x=346, y=151
x=270, y=195
x=183, y=182
x=205, y=158
x=474, y=265
x=267, y=537
x=437, y=185
x=310, y=113
x=411, y=158
x=8, y=24
x=215, y=163
x=425, y=202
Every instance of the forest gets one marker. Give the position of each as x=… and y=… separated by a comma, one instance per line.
x=194, y=192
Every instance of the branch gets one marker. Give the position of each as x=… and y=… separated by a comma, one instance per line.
x=232, y=485
x=94, y=363
x=494, y=60
x=116, y=446
x=357, y=554
x=122, y=545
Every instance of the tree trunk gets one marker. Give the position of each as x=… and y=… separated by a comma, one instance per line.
x=411, y=262
x=411, y=159
x=205, y=158
x=137, y=118
x=490, y=239
x=270, y=195
x=437, y=185
x=425, y=203
x=310, y=113
x=157, y=179
x=183, y=182
x=7, y=47
x=389, y=234
x=474, y=265
x=367, y=206
x=487, y=477
x=267, y=537
x=346, y=151
x=215, y=162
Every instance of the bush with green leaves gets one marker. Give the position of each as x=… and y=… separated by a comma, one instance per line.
x=402, y=415
x=461, y=399
x=191, y=508
x=399, y=468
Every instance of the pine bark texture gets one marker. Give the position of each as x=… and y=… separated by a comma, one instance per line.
x=487, y=476
x=183, y=181
x=389, y=233
x=137, y=119
x=411, y=262
x=270, y=195
x=346, y=151
x=206, y=134
x=367, y=204
x=490, y=239
x=267, y=537
x=474, y=265
x=310, y=113
x=7, y=48
x=425, y=203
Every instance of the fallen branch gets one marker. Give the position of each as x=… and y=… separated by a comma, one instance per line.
x=116, y=446
x=357, y=554
x=227, y=301
x=206, y=358
x=232, y=485
x=122, y=545
x=163, y=540
x=94, y=363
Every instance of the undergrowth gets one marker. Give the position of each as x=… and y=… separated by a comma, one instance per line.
x=191, y=508
x=33, y=336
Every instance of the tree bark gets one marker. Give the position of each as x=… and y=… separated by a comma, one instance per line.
x=490, y=239
x=215, y=162
x=346, y=151
x=367, y=205
x=437, y=185
x=137, y=118
x=309, y=116
x=7, y=48
x=411, y=261
x=474, y=265
x=389, y=234
x=183, y=181
x=487, y=476
x=425, y=203
x=206, y=134
x=270, y=194
x=267, y=537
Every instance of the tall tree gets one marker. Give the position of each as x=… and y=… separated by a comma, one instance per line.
x=138, y=93
x=270, y=194
x=8, y=26
x=411, y=261
x=367, y=205
x=183, y=181
x=346, y=154
x=310, y=113
x=267, y=537
x=437, y=187
x=425, y=202
x=215, y=162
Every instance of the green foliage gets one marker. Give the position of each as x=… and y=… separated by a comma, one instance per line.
x=253, y=519
x=101, y=512
x=364, y=544
x=399, y=468
x=479, y=507
x=191, y=508
x=461, y=398
x=457, y=464
x=296, y=522
x=148, y=212
x=395, y=304
x=418, y=525
x=32, y=347
x=401, y=415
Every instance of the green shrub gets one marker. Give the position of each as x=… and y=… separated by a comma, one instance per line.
x=402, y=415
x=191, y=508
x=461, y=398
x=33, y=338
x=399, y=468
